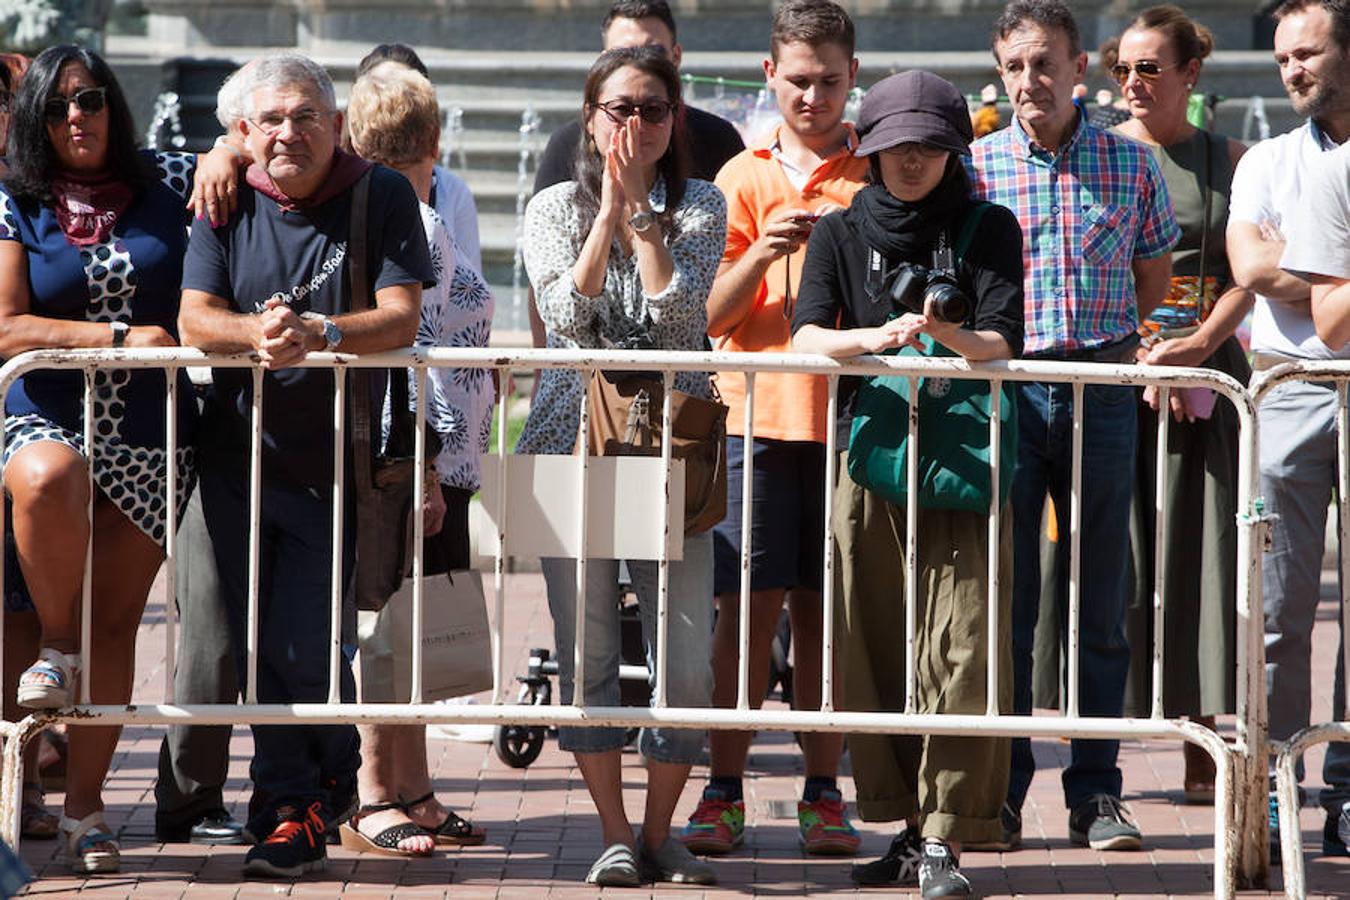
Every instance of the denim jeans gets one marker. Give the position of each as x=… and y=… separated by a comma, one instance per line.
x=1298, y=474
x=293, y=765
x=688, y=669
x=1045, y=429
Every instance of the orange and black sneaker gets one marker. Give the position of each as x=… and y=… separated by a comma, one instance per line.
x=717, y=825
x=825, y=828
x=295, y=846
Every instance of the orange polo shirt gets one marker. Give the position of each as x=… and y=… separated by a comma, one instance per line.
x=788, y=407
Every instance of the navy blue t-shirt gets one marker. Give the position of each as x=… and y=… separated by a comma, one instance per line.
x=300, y=254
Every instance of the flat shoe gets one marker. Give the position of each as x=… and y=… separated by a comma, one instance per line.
x=616, y=867
x=36, y=823
x=82, y=845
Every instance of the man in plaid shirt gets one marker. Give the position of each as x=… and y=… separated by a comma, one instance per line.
x=1097, y=234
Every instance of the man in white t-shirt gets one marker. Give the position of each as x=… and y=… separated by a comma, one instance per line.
x=1297, y=420
x=1319, y=246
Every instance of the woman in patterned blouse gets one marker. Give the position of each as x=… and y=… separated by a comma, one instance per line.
x=92, y=235
x=629, y=247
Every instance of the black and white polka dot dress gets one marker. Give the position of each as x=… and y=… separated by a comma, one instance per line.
x=133, y=277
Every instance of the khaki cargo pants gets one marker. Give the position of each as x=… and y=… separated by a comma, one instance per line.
x=955, y=786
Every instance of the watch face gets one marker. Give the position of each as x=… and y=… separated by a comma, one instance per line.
x=332, y=335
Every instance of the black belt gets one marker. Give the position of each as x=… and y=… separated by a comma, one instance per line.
x=1119, y=351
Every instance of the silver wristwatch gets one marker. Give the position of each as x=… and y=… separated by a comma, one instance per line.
x=120, y=330
x=642, y=220
x=332, y=334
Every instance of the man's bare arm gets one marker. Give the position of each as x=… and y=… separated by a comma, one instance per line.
x=1331, y=310
x=1152, y=278
x=1254, y=258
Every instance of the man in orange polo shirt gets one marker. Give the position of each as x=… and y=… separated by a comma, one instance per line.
x=775, y=192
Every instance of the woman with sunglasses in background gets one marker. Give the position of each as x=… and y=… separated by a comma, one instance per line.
x=630, y=247
x=1158, y=60
x=92, y=235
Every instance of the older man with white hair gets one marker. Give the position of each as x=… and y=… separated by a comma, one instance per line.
x=270, y=281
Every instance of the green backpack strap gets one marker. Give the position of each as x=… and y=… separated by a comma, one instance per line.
x=968, y=227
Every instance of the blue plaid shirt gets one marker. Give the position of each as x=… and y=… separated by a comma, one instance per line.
x=1087, y=213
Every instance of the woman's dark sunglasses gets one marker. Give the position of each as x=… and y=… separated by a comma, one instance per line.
x=89, y=101
x=653, y=112
x=1145, y=69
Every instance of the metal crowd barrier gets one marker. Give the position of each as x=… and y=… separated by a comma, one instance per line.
x=1239, y=812
x=1287, y=753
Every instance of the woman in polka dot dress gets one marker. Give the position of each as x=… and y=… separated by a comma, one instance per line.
x=92, y=235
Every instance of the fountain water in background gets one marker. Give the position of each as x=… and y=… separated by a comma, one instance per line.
x=452, y=136
x=168, y=111
x=530, y=122
x=1256, y=114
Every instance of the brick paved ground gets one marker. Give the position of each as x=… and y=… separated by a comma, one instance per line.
x=543, y=832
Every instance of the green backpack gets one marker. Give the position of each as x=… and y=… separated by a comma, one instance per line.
x=954, y=471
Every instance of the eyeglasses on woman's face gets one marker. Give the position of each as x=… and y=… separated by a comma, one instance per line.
x=90, y=101
x=653, y=112
x=927, y=151
x=1146, y=69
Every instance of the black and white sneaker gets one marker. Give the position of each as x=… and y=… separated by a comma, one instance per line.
x=899, y=866
x=939, y=875
x=1102, y=822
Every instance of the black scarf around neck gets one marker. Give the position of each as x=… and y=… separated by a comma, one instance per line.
x=898, y=229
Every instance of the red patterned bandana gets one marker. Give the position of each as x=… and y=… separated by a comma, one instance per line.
x=87, y=207
x=347, y=168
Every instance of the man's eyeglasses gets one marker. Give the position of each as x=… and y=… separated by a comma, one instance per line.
x=90, y=101
x=1146, y=69
x=653, y=112
x=304, y=120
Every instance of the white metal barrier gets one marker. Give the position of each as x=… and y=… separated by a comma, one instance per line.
x=1239, y=812
x=1287, y=753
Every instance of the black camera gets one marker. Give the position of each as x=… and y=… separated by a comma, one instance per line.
x=914, y=284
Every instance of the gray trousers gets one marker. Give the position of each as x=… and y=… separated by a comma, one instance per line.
x=194, y=759
x=1298, y=476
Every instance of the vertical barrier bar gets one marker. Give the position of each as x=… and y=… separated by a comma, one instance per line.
x=827, y=586
x=254, y=537
x=420, y=488
x=747, y=501
x=1160, y=549
x=335, y=564
x=1343, y=527
x=1075, y=547
x=992, y=655
x=912, y=547
x=583, y=464
x=87, y=586
x=499, y=565
x=170, y=529
x=663, y=561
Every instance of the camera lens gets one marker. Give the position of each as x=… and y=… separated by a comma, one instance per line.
x=949, y=303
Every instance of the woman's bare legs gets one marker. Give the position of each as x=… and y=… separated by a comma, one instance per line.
x=386, y=751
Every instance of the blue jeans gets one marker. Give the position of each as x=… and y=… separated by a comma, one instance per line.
x=688, y=670
x=293, y=765
x=1044, y=464
x=1298, y=474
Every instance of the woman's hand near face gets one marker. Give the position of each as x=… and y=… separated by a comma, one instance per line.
x=613, y=200
x=627, y=167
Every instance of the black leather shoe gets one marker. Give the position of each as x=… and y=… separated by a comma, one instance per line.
x=212, y=828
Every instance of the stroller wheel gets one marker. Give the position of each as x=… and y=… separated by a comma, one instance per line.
x=518, y=745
